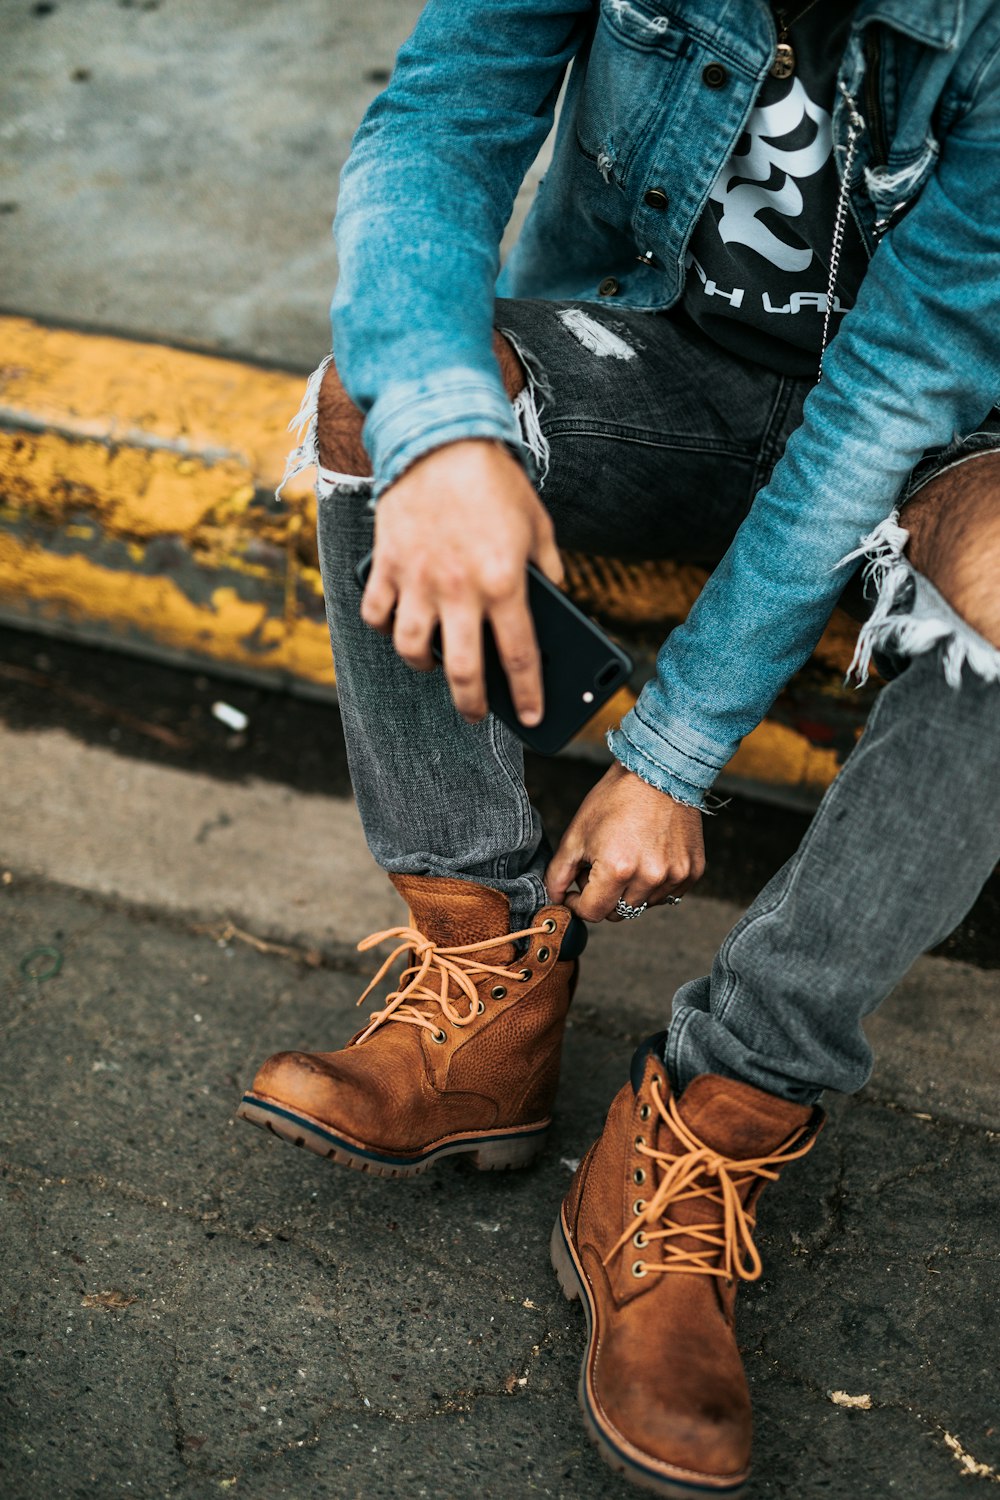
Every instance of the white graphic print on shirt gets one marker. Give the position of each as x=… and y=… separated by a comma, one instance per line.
x=741, y=187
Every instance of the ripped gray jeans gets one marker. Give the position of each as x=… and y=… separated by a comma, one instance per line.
x=650, y=441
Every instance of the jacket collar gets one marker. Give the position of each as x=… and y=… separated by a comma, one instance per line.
x=936, y=22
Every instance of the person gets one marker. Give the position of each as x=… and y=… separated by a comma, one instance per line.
x=753, y=318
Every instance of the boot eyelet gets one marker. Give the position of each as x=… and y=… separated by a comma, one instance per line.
x=525, y=975
x=639, y=1176
x=638, y=1206
x=548, y=925
x=640, y=1240
x=497, y=992
x=440, y=1037
x=480, y=1007
x=542, y=955
x=640, y=1140
x=638, y=1268
x=645, y=1111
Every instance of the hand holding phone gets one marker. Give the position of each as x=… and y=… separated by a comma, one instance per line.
x=581, y=665
x=452, y=537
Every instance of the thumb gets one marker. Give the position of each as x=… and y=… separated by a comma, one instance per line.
x=562, y=871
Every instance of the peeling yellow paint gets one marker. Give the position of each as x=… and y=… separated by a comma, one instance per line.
x=76, y=591
x=125, y=391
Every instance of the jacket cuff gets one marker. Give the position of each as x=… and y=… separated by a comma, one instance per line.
x=414, y=417
x=665, y=752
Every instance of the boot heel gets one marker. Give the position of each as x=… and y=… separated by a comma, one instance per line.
x=562, y=1264
x=499, y=1156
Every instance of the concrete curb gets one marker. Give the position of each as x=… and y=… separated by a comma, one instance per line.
x=136, y=485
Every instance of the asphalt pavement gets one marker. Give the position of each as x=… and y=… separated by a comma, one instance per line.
x=191, y=1308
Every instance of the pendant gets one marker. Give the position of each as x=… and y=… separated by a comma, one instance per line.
x=784, y=61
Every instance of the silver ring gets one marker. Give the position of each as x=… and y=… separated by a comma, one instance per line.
x=629, y=912
x=673, y=900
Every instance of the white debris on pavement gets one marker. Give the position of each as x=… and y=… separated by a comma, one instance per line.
x=232, y=717
x=858, y=1403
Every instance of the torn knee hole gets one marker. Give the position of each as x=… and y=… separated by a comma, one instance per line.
x=514, y=375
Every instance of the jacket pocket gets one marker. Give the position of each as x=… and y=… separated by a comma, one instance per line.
x=894, y=189
x=631, y=66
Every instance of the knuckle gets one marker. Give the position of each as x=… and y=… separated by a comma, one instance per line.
x=451, y=581
x=520, y=660
x=498, y=579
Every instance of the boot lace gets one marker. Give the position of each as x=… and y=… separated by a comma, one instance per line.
x=723, y=1249
x=429, y=979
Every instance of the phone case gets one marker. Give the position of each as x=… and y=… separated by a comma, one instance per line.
x=581, y=666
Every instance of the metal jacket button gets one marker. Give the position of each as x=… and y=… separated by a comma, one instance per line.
x=714, y=76
x=609, y=287
x=656, y=198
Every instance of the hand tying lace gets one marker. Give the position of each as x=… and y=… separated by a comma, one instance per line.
x=725, y=1245
x=430, y=977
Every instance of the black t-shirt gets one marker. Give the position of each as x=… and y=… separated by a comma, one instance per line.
x=759, y=257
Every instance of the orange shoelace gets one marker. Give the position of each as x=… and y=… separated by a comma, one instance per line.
x=724, y=1249
x=429, y=978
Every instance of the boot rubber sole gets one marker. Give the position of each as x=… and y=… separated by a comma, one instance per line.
x=617, y=1452
x=491, y=1151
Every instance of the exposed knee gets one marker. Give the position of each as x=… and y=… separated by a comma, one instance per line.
x=954, y=526
x=511, y=368
x=338, y=428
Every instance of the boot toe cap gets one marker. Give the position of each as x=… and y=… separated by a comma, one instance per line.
x=683, y=1409
x=312, y=1084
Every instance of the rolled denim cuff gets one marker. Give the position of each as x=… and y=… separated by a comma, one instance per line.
x=414, y=417
x=666, y=752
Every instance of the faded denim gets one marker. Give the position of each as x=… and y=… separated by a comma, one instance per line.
x=658, y=96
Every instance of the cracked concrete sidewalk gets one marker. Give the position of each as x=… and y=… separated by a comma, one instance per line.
x=190, y=1308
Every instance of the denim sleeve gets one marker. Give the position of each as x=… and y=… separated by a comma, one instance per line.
x=916, y=361
x=424, y=199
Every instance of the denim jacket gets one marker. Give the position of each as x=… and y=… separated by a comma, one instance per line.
x=658, y=94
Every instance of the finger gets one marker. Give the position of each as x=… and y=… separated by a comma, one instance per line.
x=564, y=868
x=546, y=556
x=462, y=649
x=412, y=632
x=677, y=881
x=661, y=894
x=637, y=893
x=379, y=600
x=599, y=896
x=515, y=637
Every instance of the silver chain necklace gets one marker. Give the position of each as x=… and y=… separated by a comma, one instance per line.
x=855, y=126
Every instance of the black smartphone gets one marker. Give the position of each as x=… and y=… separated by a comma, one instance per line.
x=581, y=665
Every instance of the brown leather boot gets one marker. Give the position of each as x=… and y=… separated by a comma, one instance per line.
x=464, y=1056
x=654, y=1235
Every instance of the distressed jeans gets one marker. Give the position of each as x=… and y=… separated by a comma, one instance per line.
x=650, y=442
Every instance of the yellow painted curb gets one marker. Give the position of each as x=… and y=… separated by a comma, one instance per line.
x=135, y=485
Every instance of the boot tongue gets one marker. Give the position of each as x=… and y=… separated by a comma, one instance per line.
x=736, y=1119
x=453, y=913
